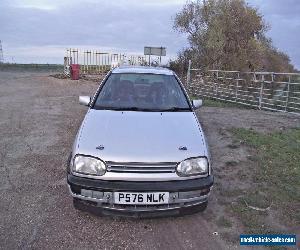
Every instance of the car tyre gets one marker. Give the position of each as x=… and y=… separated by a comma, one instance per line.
x=77, y=204
x=203, y=206
x=195, y=209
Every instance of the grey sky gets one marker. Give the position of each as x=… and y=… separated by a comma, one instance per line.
x=40, y=30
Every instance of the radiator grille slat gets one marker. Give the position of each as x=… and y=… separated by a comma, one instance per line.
x=141, y=168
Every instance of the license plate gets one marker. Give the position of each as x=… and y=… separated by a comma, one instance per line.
x=141, y=198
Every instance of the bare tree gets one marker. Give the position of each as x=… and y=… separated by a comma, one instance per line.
x=226, y=34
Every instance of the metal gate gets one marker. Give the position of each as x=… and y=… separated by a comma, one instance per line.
x=263, y=90
x=97, y=62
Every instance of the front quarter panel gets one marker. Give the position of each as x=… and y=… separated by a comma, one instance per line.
x=204, y=141
x=75, y=146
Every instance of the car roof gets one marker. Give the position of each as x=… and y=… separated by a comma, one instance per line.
x=142, y=69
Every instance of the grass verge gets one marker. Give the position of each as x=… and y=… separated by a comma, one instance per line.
x=209, y=102
x=31, y=67
x=276, y=180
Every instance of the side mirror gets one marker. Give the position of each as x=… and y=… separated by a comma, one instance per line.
x=84, y=100
x=197, y=103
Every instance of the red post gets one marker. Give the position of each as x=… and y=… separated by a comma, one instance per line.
x=75, y=70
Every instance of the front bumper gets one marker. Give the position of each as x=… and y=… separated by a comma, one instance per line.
x=97, y=195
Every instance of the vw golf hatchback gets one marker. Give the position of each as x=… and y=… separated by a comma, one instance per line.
x=140, y=150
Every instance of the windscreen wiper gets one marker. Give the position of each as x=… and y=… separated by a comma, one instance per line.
x=141, y=109
x=174, y=109
x=132, y=108
x=117, y=108
x=129, y=109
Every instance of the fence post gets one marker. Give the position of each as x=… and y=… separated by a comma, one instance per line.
x=188, y=76
x=261, y=91
x=216, y=84
x=288, y=94
x=71, y=61
x=77, y=56
x=237, y=86
x=84, y=62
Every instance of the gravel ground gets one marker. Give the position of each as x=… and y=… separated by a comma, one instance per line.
x=39, y=117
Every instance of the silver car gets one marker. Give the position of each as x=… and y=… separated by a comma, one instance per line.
x=140, y=150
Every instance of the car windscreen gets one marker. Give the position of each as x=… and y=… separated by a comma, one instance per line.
x=136, y=91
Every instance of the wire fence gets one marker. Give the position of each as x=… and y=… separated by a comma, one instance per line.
x=262, y=90
x=98, y=62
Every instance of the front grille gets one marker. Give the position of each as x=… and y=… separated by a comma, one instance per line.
x=145, y=168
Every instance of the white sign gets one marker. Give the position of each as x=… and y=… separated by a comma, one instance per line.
x=156, y=51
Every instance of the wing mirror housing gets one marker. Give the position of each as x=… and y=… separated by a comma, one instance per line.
x=197, y=103
x=85, y=100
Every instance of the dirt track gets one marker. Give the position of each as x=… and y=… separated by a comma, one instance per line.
x=39, y=116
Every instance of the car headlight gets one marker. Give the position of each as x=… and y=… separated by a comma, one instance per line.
x=88, y=165
x=193, y=166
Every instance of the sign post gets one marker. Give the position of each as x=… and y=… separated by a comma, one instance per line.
x=156, y=51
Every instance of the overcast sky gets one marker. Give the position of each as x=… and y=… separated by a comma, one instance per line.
x=39, y=31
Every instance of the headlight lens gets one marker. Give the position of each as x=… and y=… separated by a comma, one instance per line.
x=88, y=165
x=193, y=166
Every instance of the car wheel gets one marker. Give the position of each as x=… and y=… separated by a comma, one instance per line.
x=195, y=209
x=82, y=206
x=203, y=206
x=77, y=204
